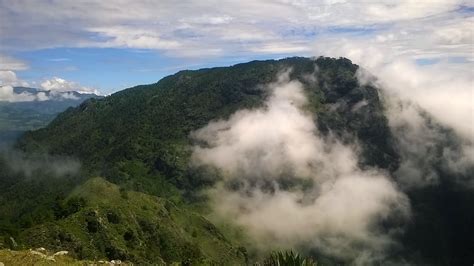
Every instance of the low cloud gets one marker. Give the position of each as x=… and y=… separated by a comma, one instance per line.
x=52, y=89
x=29, y=165
x=417, y=140
x=339, y=208
x=430, y=107
x=432, y=86
x=57, y=87
x=8, y=94
x=263, y=142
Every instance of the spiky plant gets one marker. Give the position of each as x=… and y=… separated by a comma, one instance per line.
x=288, y=258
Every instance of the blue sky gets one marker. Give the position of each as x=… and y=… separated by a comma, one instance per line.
x=111, y=45
x=104, y=68
x=112, y=68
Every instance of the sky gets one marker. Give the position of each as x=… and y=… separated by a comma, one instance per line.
x=421, y=52
x=106, y=46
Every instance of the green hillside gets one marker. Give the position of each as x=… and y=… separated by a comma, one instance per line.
x=139, y=139
x=132, y=226
x=18, y=117
x=151, y=123
x=148, y=206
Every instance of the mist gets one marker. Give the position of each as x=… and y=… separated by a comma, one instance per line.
x=8, y=94
x=331, y=205
x=430, y=108
x=32, y=165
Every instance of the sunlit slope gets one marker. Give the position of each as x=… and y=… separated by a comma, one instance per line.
x=127, y=225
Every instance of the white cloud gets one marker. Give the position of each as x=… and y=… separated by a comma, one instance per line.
x=8, y=94
x=56, y=84
x=8, y=63
x=254, y=148
x=190, y=28
x=134, y=38
x=8, y=66
x=9, y=78
x=458, y=33
x=263, y=153
x=281, y=48
x=206, y=19
x=57, y=87
x=443, y=89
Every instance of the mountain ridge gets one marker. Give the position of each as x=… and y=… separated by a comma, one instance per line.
x=148, y=99
x=139, y=139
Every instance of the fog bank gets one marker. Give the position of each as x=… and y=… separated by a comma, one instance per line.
x=339, y=213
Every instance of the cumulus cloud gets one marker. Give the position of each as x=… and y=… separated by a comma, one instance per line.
x=9, y=78
x=338, y=214
x=56, y=84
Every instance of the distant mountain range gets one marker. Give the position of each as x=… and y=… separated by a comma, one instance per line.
x=20, y=116
x=54, y=96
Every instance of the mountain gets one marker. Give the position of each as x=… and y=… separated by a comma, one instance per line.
x=134, y=152
x=36, y=111
x=135, y=227
x=162, y=115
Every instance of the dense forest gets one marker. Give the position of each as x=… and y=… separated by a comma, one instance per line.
x=33, y=113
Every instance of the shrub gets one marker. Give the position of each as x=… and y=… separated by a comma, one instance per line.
x=288, y=259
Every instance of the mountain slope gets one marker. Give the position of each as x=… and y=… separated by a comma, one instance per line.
x=35, y=111
x=139, y=139
x=132, y=226
x=152, y=123
x=38, y=257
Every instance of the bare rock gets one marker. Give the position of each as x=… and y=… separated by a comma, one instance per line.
x=61, y=253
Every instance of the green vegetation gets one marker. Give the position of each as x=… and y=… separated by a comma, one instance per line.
x=148, y=126
x=138, y=140
x=18, y=117
x=33, y=194
x=131, y=227
x=288, y=258
x=40, y=258
x=14, y=121
x=136, y=197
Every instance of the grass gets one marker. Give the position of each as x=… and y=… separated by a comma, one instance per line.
x=133, y=226
x=28, y=257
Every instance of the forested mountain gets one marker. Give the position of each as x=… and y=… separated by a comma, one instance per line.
x=38, y=109
x=119, y=181
x=152, y=123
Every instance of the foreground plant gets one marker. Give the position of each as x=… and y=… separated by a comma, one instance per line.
x=288, y=258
